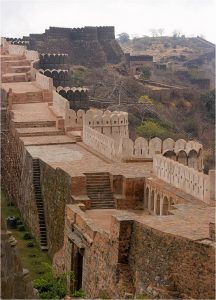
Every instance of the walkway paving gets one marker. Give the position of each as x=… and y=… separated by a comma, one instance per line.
x=21, y=87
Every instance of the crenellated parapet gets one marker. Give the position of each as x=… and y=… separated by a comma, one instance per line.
x=53, y=61
x=75, y=96
x=60, y=77
x=113, y=124
x=188, y=153
x=185, y=178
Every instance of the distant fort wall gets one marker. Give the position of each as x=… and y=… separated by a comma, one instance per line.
x=90, y=46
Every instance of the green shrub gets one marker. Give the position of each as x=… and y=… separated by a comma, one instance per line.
x=30, y=245
x=51, y=287
x=79, y=294
x=150, y=129
x=21, y=227
x=27, y=236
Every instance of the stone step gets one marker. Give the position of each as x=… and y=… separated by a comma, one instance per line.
x=12, y=57
x=93, y=201
x=99, y=187
x=44, y=247
x=28, y=97
x=101, y=179
x=35, y=124
x=14, y=77
x=20, y=62
x=19, y=69
x=39, y=131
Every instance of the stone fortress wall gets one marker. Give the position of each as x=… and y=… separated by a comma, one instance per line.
x=133, y=257
x=86, y=46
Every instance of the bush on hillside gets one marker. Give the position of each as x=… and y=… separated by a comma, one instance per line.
x=21, y=227
x=27, y=236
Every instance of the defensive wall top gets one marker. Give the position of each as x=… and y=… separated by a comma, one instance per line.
x=84, y=33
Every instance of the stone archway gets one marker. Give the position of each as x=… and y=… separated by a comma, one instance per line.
x=165, y=207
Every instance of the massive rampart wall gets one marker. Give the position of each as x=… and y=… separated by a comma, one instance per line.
x=91, y=46
x=170, y=266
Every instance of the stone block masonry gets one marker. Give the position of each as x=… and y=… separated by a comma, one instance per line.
x=171, y=266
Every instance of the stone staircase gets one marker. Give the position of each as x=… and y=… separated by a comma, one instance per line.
x=39, y=131
x=99, y=190
x=39, y=203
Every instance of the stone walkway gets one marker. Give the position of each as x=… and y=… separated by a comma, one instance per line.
x=189, y=221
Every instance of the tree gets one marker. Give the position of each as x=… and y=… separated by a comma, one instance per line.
x=208, y=100
x=145, y=99
x=145, y=72
x=177, y=33
x=123, y=37
x=150, y=129
x=161, y=31
x=154, y=32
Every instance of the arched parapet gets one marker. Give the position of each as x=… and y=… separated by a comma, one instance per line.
x=182, y=157
x=127, y=148
x=170, y=154
x=62, y=91
x=71, y=118
x=193, y=159
x=107, y=112
x=106, y=124
x=200, y=160
x=155, y=146
x=88, y=119
x=168, y=145
x=80, y=117
x=69, y=94
x=141, y=147
x=115, y=125
x=97, y=122
x=180, y=145
x=48, y=73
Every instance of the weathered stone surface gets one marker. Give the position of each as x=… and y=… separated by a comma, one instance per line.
x=172, y=263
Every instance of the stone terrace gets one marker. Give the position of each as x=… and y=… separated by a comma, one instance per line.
x=36, y=126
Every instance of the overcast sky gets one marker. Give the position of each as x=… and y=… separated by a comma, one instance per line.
x=136, y=17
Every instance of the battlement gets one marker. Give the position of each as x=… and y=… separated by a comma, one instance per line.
x=130, y=58
x=73, y=93
x=83, y=33
x=59, y=76
x=53, y=61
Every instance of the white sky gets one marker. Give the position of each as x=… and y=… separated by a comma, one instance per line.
x=136, y=17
